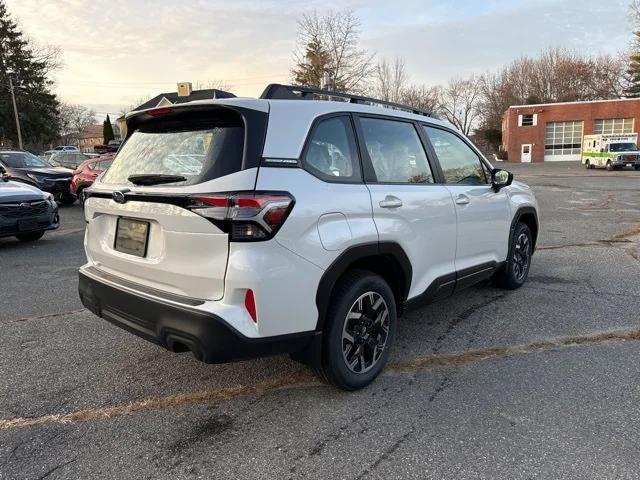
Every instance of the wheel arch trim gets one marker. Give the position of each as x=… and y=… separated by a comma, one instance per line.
x=520, y=212
x=391, y=250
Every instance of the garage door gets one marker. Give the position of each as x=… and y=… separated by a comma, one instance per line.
x=562, y=141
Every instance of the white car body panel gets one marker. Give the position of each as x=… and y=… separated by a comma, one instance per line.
x=315, y=198
x=483, y=225
x=186, y=254
x=424, y=226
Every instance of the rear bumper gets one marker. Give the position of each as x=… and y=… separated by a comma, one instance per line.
x=178, y=328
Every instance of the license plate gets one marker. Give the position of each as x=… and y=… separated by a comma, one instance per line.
x=132, y=236
x=27, y=224
x=629, y=164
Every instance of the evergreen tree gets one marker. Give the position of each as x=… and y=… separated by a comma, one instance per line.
x=107, y=130
x=312, y=67
x=37, y=106
x=633, y=73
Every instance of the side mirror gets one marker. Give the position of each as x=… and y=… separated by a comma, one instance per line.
x=3, y=174
x=500, y=179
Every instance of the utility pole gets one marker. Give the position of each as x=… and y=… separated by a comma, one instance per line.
x=15, y=112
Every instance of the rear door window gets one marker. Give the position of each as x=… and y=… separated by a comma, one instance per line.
x=396, y=153
x=198, y=151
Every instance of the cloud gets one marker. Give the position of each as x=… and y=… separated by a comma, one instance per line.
x=118, y=50
x=447, y=46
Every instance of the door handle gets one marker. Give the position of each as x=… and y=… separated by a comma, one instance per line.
x=462, y=199
x=390, y=202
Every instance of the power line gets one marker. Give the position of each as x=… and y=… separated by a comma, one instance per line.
x=119, y=87
x=255, y=78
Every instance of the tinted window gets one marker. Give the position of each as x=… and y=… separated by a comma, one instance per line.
x=332, y=154
x=103, y=165
x=197, y=151
x=396, y=152
x=459, y=162
x=22, y=160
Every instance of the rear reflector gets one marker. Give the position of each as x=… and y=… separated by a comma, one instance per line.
x=250, y=305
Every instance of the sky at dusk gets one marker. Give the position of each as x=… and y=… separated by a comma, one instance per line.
x=115, y=52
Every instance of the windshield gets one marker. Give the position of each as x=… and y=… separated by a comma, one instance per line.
x=197, y=154
x=623, y=147
x=22, y=160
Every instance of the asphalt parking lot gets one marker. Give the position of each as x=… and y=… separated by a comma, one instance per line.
x=542, y=382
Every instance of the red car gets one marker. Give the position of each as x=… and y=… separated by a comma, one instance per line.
x=87, y=172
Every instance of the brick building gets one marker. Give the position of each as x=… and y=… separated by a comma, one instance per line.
x=554, y=131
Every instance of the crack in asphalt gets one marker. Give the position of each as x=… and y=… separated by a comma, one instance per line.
x=465, y=314
x=540, y=286
x=304, y=378
x=57, y=467
x=43, y=317
x=619, y=238
x=385, y=454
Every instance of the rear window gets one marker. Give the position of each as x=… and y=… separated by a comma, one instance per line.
x=198, y=150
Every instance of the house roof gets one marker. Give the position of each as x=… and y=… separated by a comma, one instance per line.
x=576, y=103
x=173, y=97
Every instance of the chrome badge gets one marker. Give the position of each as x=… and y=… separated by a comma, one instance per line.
x=118, y=197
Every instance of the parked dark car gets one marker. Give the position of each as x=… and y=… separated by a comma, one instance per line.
x=25, y=167
x=110, y=147
x=87, y=172
x=25, y=211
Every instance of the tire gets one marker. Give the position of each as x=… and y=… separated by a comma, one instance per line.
x=30, y=237
x=636, y=167
x=356, y=349
x=609, y=166
x=515, y=272
x=67, y=199
x=587, y=165
x=81, y=198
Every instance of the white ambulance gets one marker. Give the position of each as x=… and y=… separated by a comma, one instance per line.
x=611, y=151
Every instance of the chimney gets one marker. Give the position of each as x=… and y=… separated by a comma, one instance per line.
x=184, y=89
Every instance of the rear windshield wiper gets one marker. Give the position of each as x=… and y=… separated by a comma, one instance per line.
x=155, y=179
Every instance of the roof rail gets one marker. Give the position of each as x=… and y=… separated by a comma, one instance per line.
x=276, y=91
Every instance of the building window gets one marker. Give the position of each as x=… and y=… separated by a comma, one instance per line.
x=528, y=120
x=563, y=138
x=613, y=126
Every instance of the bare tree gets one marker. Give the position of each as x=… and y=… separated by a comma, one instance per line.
x=74, y=119
x=460, y=103
x=422, y=97
x=556, y=75
x=390, y=80
x=213, y=84
x=336, y=35
x=139, y=101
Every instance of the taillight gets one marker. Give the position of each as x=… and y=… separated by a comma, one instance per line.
x=245, y=216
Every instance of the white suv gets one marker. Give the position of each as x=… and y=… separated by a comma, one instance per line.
x=236, y=228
